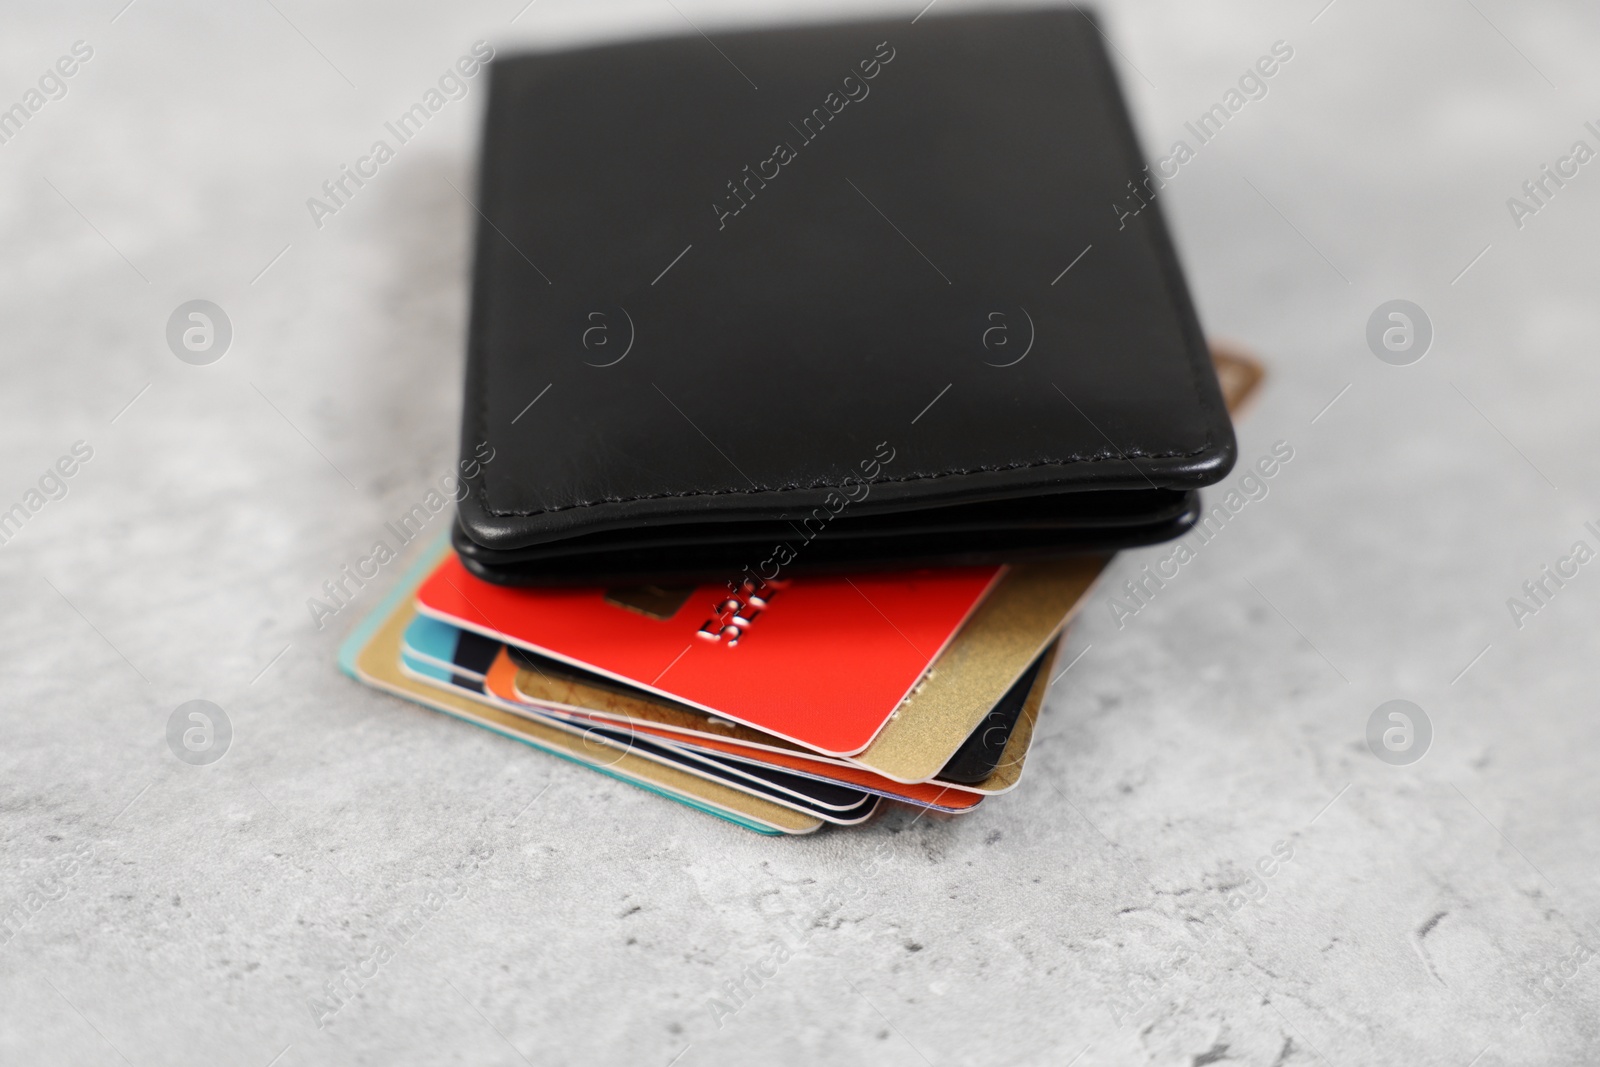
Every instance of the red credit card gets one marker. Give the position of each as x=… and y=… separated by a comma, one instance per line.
x=821, y=661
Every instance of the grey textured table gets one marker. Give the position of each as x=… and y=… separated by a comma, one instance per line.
x=530, y=911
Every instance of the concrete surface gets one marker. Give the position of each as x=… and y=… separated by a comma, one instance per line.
x=530, y=911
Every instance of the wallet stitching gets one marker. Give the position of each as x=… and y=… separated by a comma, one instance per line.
x=483, y=495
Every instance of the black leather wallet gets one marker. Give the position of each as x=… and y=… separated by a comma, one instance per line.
x=855, y=296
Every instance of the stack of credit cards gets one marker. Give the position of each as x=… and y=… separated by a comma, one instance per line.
x=835, y=695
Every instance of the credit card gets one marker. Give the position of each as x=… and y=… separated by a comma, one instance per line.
x=823, y=663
